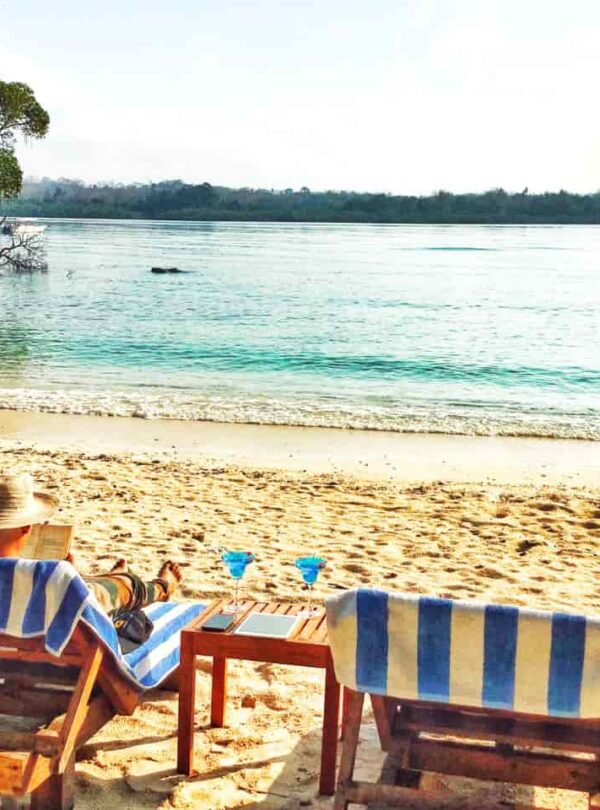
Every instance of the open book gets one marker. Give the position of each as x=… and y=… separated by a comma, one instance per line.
x=48, y=542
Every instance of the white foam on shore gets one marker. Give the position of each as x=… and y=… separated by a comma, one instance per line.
x=169, y=404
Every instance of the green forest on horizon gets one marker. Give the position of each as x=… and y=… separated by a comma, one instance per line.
x=176, y=200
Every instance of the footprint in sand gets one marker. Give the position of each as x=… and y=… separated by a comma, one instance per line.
x=491, y=573
x=266, y=672
x=546, y=506
x=355, y=568
x=273, y=701
x=526, y=545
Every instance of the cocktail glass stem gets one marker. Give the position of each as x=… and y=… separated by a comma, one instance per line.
x=309, y=609
x=236, y=588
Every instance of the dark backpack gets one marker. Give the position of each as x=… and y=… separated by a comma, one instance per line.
x=133, y=628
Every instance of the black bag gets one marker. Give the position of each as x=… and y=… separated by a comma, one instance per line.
x=133, y=628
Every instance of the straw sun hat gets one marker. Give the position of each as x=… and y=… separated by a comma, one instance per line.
x=20, y=505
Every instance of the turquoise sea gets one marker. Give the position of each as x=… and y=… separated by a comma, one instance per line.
x=454, y=329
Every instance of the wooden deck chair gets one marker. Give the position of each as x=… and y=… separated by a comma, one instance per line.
x=63, y=676
x=483, y=691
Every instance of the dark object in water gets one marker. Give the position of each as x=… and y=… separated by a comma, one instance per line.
x=166, y=270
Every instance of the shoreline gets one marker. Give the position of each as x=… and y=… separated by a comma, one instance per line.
x=405, y=457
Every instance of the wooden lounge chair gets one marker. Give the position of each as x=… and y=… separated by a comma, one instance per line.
x=63, y=676
x=489, y=692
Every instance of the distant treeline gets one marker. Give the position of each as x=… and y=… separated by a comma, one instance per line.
x=174, y=199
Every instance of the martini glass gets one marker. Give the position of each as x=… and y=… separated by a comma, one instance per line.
x=310, y=568
x=236, y=562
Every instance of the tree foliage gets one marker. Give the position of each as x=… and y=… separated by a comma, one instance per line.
x=11, y=176
x=176, y=200
x=20, y=114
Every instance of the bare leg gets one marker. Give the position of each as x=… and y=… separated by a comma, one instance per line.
x=170, y=577
x=123, y=589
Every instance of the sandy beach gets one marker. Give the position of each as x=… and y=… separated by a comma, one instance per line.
x=509, y=520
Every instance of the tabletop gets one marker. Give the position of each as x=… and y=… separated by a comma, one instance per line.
x=309, y=631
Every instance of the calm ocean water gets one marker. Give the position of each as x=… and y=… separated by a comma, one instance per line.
x=457, y=329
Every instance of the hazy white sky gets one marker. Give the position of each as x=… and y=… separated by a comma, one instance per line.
x=407, y=96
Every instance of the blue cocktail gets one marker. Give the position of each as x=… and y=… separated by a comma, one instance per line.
x=236, y=562
x=310, y=568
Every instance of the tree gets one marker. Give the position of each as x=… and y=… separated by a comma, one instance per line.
x=20, y=114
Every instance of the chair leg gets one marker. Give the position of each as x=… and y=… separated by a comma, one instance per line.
x=384, y=709
x=348, y=758
x=57, y=792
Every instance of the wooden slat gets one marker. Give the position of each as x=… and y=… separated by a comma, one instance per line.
x=119, y=689
x=33, y=702
x=37, y=770
x=523, y=767
x=274, y=650
x=78, y=708
x=14, y=740
x=300, y=629
x=15, y=670
x=246, y=607
x=43, y=657
x=100, y=711
x=31, y=644
x=500, y=713
x=320, y=635
x=311, y=627
x=542, y=733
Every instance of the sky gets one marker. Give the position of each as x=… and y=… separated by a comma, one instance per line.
x=400, y=96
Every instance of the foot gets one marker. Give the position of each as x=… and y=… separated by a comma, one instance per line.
x=170, y=574
x=120, y=567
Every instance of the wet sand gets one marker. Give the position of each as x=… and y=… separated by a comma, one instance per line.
x=381, y=454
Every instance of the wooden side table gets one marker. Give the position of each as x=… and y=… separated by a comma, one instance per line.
x=306, y=647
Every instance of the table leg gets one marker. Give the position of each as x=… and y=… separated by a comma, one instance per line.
x=331, y=716
x=218, y=699
x=187, y=699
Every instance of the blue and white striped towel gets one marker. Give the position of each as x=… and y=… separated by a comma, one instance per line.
x=469, y=654
x=48, y=598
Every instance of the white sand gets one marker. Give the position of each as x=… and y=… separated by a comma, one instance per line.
x=530, y=539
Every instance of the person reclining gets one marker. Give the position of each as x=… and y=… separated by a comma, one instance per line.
x=21, y=508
